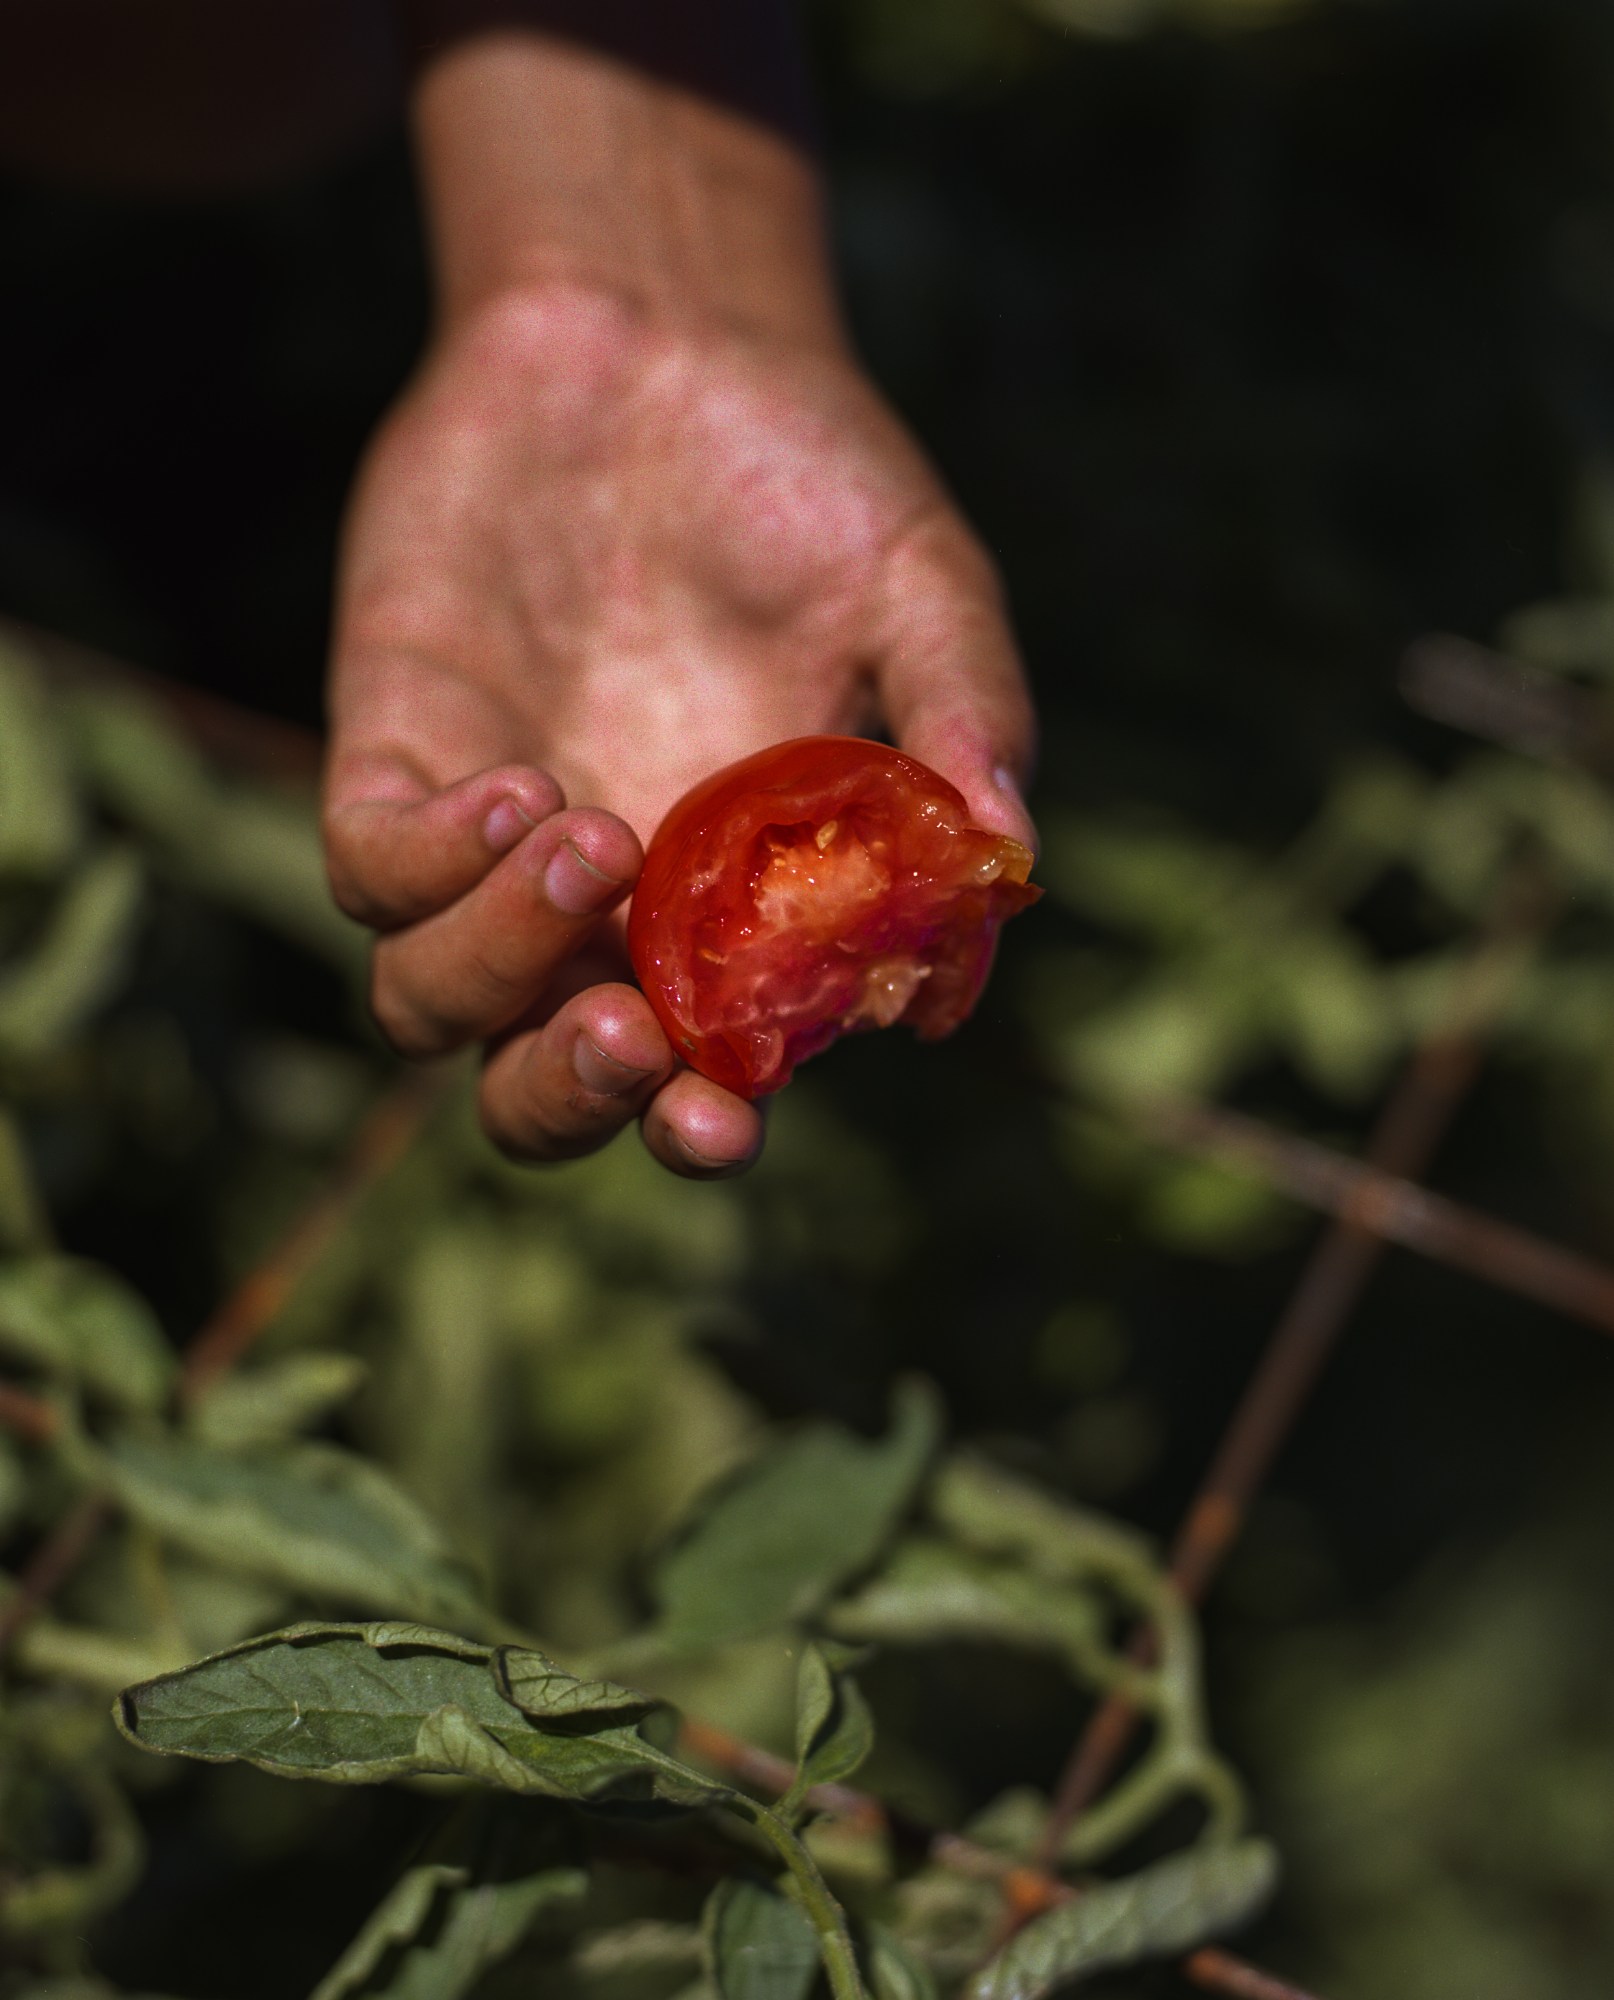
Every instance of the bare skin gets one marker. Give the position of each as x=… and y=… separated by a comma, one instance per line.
x=639, y=514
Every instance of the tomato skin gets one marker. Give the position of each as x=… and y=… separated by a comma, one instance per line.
x=819, y=887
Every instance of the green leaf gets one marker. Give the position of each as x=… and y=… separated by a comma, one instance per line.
x=929, y=1591
x=68, y=1898
x=1163, y=1910
x=777, y=1541
x=834, y=1729
x=79, y=1322
x=39, y=818
x=253, y=848
x=759, y=1945
x=643, y=1945
x=24, y=1225
x=78, y=961
x=274, y=1401
x=990, y=1510
x=548, y=1693
x=310, y=1516
x=360, y=1704
x=443, y=1398
x=87, y=1657
x=895, y=1972
x=440, y=1928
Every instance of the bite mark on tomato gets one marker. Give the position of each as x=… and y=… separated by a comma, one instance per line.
x=820, y=887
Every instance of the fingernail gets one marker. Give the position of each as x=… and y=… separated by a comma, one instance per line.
x=506, y=825
x=599, y=1072
x=574, y=885
x=1004, y=779
x=705, y=1163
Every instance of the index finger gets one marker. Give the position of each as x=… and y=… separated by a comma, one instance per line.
x=397, y=850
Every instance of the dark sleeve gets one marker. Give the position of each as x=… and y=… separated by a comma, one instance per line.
x=746, y=54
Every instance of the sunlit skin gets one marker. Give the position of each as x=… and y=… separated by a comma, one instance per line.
x=640, y=514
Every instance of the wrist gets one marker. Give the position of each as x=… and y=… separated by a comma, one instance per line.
x=545, y=164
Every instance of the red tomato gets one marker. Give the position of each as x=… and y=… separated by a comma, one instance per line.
x=824, y=885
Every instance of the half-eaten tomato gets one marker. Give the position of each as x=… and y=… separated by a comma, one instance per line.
x=823, y=885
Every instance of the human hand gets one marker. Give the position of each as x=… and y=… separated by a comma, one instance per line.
x=600, y=550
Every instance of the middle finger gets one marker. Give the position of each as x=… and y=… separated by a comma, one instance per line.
x=479, y=965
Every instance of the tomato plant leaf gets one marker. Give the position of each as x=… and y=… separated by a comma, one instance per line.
x=930, y=1590
x=24, y=1224
x=313, y=1517
x=440, y=1928
x=548, y=1693
x=88, y=1657
x=274, y=1401
x=361, y=1704
x=759, y=1944
x=895, y=1971
x=834, y=1729
x=1168, y=1908
x=777, y=1541
x=70, y=1896
x=39, y=816
x=992, y=1511
x=249, y=846
x=77, y=962
x=643, y=1945
x=79, y=1322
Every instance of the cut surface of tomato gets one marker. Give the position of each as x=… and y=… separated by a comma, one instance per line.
x=822, y=886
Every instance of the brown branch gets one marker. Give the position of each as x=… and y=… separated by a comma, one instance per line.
x=1220, y=1972
x=1395, y=1209
x=1028, y=1890
x=1502, y=700
x=243, y=738
x=30, y=1418
x=384, y=1136
x=1402, y=1144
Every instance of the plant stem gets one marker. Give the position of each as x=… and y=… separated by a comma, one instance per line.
x=823, y=1911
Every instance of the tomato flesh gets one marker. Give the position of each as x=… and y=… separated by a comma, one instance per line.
x=820, y=887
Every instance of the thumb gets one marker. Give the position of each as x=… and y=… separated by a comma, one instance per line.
x=949, y=675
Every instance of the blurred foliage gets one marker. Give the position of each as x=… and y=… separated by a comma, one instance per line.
x=945, y=45
x=1256, y=355
x=523, y=1429
x=1448, y=1776
x=527, y=1423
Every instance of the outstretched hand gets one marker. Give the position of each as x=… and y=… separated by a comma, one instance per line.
x=595, y=555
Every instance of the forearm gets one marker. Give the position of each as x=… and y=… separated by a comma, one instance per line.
x=546, y=157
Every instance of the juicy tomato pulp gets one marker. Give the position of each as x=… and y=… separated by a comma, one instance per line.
x=822, y=886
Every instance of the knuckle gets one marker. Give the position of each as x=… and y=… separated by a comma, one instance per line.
x=346, y=892
x=502, y=991
x=525, y=1126
x=404, y=1027
x=350, y=899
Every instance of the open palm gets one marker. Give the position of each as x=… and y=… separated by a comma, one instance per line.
x=593, y=557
